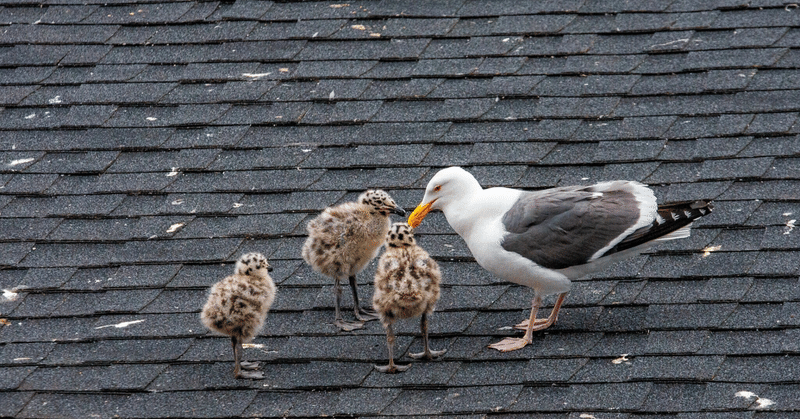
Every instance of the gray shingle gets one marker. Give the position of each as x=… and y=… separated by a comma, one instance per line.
x=46, y=330
x=361, y=50
x=734, y=168
x=532, y=93
x=417, y=402
x=618, y=396
x=676, y=342
x=755, y=369
x=210, y=403
x=13, y=253
x=741, y=342
x=753, y=18
x=677, y=367
x=674, y=398
x=325, y=113
x=528, y=152
x=114, y=377
x=766, y=146
x=32, y=55
x=688, y=315
x=669, y=84
x=400, y=89
x=628, y=150
x=74, y=405
x=117, y=351
x=246, y=9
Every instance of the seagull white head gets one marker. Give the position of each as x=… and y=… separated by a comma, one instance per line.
x=447, y=186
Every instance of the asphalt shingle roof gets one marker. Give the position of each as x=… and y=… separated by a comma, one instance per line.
x=144, y=145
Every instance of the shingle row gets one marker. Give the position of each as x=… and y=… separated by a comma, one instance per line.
x=642, y=111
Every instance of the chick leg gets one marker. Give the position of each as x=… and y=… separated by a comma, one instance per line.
x=512, y=344
x=245, y=365
x=363, y=314
x=238, y=370
x=427, y=353
x=339, y=321
x=545, y=323
x=392, y=367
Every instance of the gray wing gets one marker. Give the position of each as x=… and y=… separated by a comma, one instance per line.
x=563, y=227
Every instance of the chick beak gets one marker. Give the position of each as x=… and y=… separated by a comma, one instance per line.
x=419, y=213
x=269, y=268
x=399, y=211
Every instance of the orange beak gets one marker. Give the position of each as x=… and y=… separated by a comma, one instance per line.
x=419, y=213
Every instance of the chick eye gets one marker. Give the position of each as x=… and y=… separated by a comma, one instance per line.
x=437, y=188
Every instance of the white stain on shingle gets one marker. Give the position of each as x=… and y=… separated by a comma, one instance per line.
x=622, y=359
x=120, y=325
x=10, y=295
x=31, y=116
x=21, y=161
x=255, y=75
x=175, y=227
x=710, y=249
x=253, y=345
x=762, y=403
x=54, y=100
x=670, y=42
x=174, y=172
x=745, y=394
x=789, y=226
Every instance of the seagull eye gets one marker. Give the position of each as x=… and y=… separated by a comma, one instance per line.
x=437, y=188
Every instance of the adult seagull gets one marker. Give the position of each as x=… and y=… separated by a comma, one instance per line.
x=546, y=238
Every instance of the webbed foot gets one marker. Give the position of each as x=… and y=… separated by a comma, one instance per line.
x=348, y=326
x=430, y=354
x=510, y=344
x=392, y=368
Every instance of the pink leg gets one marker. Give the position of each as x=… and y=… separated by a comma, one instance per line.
x=512, y=344
x=540, y=324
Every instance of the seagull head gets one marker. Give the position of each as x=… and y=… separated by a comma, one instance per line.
x=381, y=201
x=446, y=187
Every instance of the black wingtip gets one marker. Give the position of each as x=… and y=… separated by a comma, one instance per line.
x=671, y=217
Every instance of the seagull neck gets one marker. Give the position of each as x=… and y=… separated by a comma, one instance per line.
x=460, y=212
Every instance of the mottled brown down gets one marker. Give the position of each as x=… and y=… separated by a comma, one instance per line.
x=237, y=306
x=407, y=279
x=343, y=239
x=406, y=285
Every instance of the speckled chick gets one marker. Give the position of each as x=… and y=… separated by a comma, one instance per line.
x=343, y=239
x=237, y=306
x=406, y=285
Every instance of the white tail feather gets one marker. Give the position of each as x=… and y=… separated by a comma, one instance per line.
x=680, y=233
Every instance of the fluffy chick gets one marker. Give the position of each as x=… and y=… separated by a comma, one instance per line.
x=406, y=285
x=343, y=239
x=237, y=306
